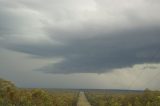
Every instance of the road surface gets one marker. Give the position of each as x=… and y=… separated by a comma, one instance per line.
x=82, y=100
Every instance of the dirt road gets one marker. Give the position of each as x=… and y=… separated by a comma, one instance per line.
x=82, y=100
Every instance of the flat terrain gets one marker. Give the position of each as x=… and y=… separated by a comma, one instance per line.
x=82, y=100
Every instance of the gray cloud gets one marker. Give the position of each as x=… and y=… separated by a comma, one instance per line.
x=92, y=38
x=99, y=53
x=102, y=53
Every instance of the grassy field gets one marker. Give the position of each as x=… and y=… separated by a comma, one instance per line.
x=10, y=95
x=125, y=98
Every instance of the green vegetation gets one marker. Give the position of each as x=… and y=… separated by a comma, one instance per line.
x=12, y=96
x=146, y=98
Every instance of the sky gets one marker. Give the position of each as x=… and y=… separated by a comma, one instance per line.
x=99, y=44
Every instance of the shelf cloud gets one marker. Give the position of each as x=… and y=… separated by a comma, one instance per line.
x=94, y=36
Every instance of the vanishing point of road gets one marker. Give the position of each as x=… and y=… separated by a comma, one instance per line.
x=82, y=100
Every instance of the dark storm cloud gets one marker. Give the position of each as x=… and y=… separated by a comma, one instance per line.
x=93, y=38
x=103, y=53
x=100, y=53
